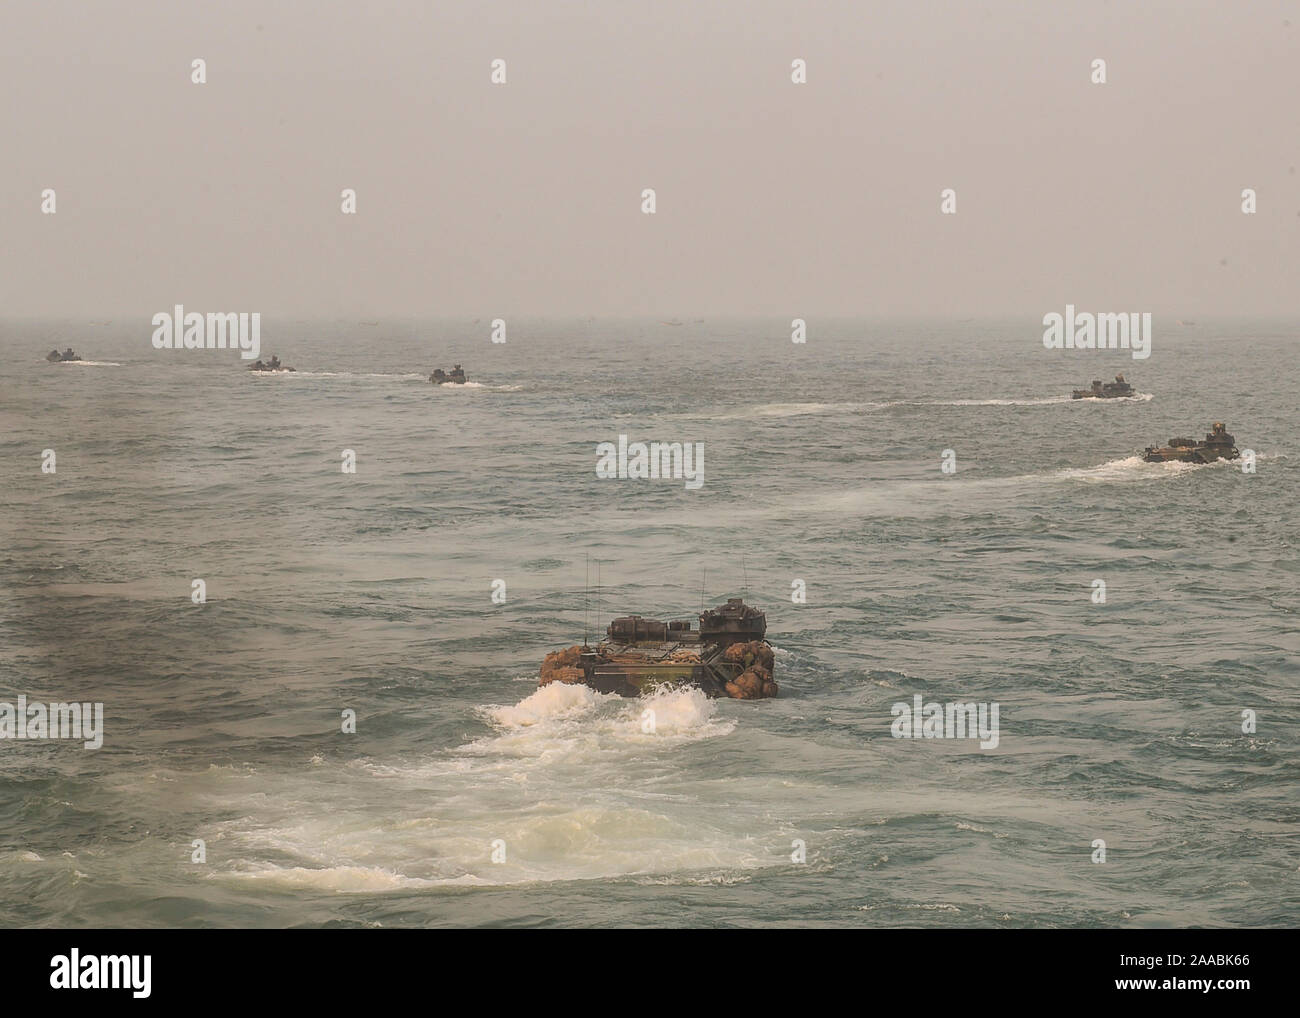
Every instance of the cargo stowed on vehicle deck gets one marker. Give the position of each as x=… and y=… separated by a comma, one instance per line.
x=726, y=656
x=1218, y=445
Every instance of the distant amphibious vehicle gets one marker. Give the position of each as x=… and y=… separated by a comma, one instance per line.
x=1106, y=390
x=269, y=365
x=1218, y=445
x=456, y=376
x=726, y=656
x=54, y=357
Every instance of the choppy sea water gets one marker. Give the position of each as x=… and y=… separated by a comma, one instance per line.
x=373, y=592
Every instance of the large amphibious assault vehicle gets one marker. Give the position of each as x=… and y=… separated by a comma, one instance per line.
x=54, y=357
x=1106, y=390
x=726, y=656
x=1218, y=445
x=268, y=365
x=456, y=375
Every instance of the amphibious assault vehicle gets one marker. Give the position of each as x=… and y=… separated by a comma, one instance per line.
x=1105, y=390
x=270, y=365
x=1218, y=445
x=456, y=375
x=55, y=357
x=725, y=656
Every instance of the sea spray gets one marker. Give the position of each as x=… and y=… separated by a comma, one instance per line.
x=558, y=700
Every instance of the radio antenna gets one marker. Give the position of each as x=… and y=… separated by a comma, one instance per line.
x=586, y=597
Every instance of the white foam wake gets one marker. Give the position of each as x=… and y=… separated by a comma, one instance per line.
x=789, y=410
x=557, y=700
x=1135, y=468
x=1140, y=397
x=1043, y=401
x=401, y=376
x=1137, y=397
x=569, y=785
x=479, y=385
x=586, y=721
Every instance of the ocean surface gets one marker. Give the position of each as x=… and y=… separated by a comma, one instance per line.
x=372, y=592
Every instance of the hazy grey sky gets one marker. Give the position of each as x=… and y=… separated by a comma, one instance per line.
x=773, y=198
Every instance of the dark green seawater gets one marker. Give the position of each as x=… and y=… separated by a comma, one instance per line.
x=373, y=592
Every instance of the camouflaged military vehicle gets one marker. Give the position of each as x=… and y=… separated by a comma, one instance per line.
x=455, y=376
x=1106, y=390
x=725, y=656
x=1218, y=445
x=269, y=365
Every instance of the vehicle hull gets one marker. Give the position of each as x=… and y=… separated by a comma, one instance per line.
x=1218, y=445
x=726, y=657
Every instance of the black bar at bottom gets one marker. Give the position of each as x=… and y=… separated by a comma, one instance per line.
x=335, y=967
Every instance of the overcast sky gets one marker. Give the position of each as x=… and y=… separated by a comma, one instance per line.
x=772, y=197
